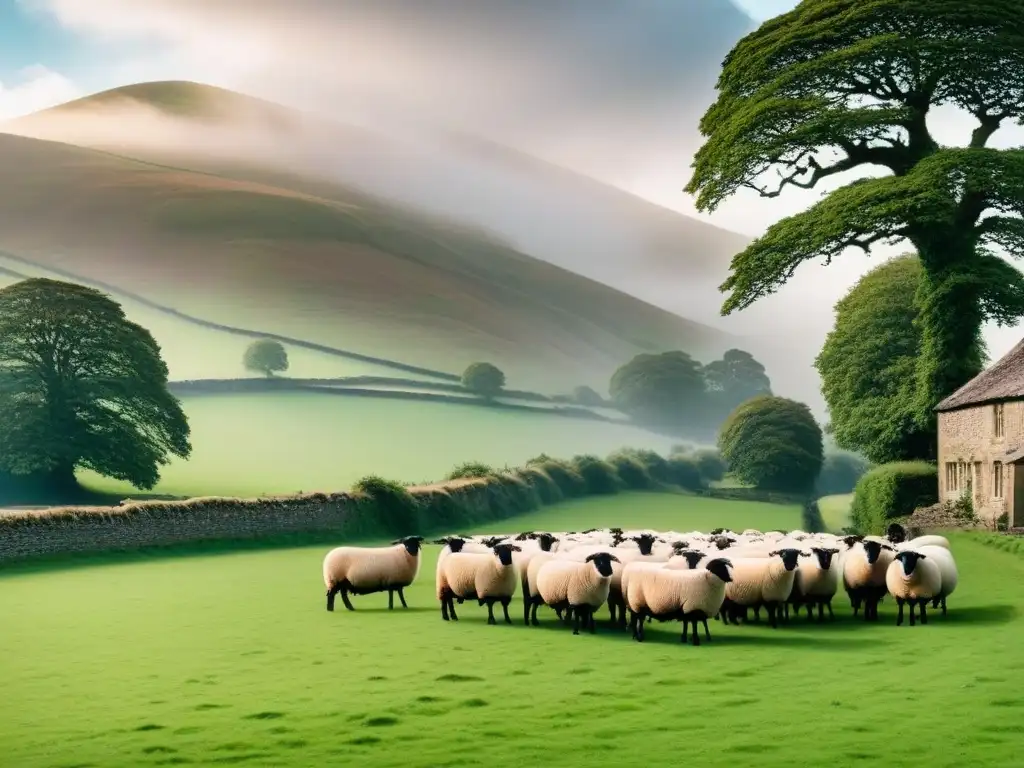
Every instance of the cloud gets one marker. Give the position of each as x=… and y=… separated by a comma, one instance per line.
x=34, y=88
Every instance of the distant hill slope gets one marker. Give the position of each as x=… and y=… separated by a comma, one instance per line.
x=345, y=269
x=545, y=210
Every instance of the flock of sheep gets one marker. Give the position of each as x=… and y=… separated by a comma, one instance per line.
x=669, y=576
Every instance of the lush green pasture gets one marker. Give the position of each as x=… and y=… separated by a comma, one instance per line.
x=836, y=510
x=249, y=445
x=232, y=659
x=192, y=351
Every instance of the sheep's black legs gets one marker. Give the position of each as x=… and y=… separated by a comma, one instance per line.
x=504, y=607
x=821, y=612
x=913, y=618
x=924, y=613
x=526, y=610
x=451, y=608
x=345, y=600
x=612, y=615
x=593, y=621
x=707, y=632
x=391, y=599
x=576, y=622
x=686, y=626
x=444, y=607
x=772, y=620
x=696, y=635
x=899, y=616
x=490, y=612
x=533, y=620
x=330, y=598
x=943, y=606
x=831, y=616
x=401, y=596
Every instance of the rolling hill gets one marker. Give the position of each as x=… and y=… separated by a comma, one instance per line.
x=290, y=253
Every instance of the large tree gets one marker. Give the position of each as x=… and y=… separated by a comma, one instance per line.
x=735, y=378
x=868, y=362
x=81, y=387
x=485, y=379
x=842, y=85
x=663, y=391
x=266, y=356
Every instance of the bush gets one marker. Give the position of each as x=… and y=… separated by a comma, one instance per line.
x=630, y=470
x=468, y=470
x=711, y=464
x=839, y=473
x=684, y=472
x=598, y=475
x=890, y=491
x=569, y=481
x=810, y=517
x=397, y=512
x=654, y=463
x=484, y=379
x=547, y=489
x=773, y=443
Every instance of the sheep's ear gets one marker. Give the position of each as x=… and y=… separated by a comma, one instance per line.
x=891, y=549
x=773, y=554
x=590, y=558
x=805, y=554
x=614, y=559
x=445, y=540
x=514, y=548
x=921, y=557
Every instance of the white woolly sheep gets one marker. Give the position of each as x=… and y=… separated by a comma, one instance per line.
x=365, y=570
x=487, y=578
x=864, y=569
x=580, y=586
x=913, y=577
x=816, y=583
x=531, y=597
x=929, y=540
x=943, y=558
x=686, y=595
x=757, y=582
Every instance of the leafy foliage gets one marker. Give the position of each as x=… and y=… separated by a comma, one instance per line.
x=892, y=491
x=684, y=472
x=733, y=379
x=839, y=85
x=868, y=362
x=81, y=387
x=599, y=475
x=484, y=379
x=396, y=510
x=661, y=391
x=470, y=469
x=266, y=356
x=710, y=463
x=839, y=473
x=773, y=444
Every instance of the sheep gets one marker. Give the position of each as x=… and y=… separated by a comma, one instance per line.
x=943, y=558
x=930, y=540
x=817, y=580
x=896, y=533
x=365, y=570
x=531, y=596
x=685, y=595
x=757, y=582
x=580, y=586
x=864, y=569
x=487, y=578
x=912, y=577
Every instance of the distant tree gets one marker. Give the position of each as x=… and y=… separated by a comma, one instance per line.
x=484, y=379
x=733, y=379
x=840, y=472
x=836, y=86
x=266, y=356
x=867, y=366
x=773, y=444
x=664, y=391
x=81, y=387
x=585, y=395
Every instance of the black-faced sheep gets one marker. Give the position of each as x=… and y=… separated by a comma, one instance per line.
x=365, y=570
x=487, y=578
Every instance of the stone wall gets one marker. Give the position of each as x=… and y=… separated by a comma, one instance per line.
x=66, y=530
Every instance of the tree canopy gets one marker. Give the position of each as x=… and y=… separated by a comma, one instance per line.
x=266, y=356
x=81, y=387
x=660, y=390
x=735, y=378
x=867, y=366
x=841, y=85
x=773, y=443
x=484, y=379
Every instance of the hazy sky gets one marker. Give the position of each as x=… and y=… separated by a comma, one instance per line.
x=610, y=87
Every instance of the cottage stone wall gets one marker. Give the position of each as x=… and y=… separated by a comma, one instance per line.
x=967, y=436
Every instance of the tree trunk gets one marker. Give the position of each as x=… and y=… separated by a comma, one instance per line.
x=62, y=480
x=950, y=317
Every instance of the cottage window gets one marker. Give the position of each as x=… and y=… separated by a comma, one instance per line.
x=997, y=420
x=952, y=476
x=997, y=480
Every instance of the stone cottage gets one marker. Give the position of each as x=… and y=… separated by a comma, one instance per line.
x=981, y=441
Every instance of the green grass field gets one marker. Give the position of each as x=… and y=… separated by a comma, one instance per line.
x=232, y=659
x=836, y=510
x=250, y=445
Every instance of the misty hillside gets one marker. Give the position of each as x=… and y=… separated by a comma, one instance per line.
x=540, y=208
x=355, y=273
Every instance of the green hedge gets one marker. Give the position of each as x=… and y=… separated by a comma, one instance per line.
x=890, y=491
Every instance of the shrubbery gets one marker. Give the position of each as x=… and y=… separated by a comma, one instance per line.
x=684, y=471
x=890, y=491
x=599, y=475
x=468, y=470
x=711, y=464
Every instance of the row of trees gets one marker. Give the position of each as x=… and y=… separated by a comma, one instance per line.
x=835, y=86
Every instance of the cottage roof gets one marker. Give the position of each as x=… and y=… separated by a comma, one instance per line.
x=1002, y=381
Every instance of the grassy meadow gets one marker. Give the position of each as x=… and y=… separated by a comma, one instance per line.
x=250, y=445
x=835, y=510
x=232, y=659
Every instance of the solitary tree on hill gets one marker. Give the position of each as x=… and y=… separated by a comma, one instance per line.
x=81, y=387
x=839, y=85
x=266, y=356
x=664, y=391
x=484, y=379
